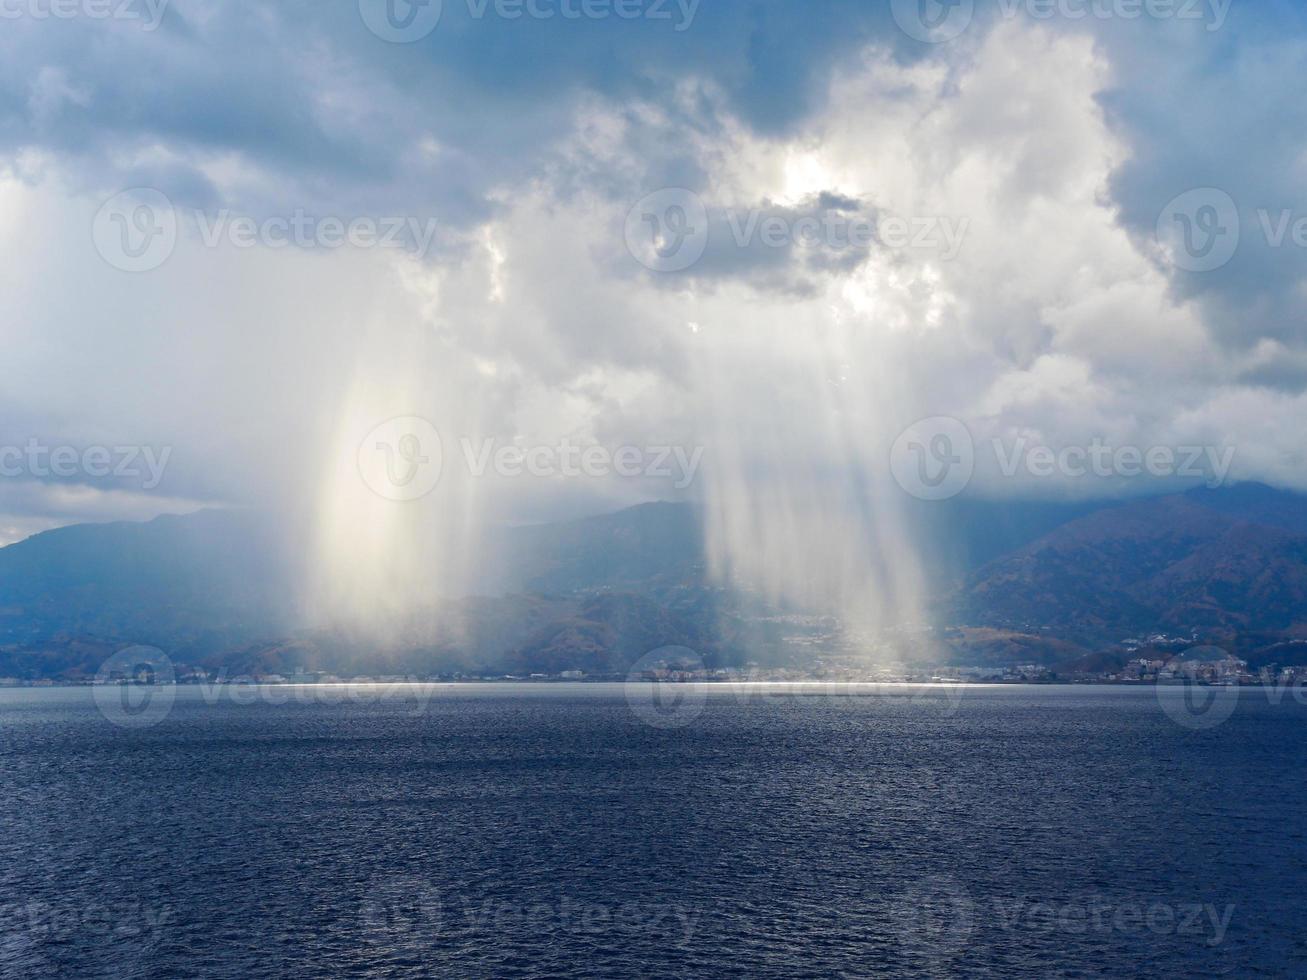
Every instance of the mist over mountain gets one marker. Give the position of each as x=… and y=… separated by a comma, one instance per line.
x=196, y=583
x=1018, y=582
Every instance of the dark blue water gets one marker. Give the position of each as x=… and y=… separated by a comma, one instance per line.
x=554, y=831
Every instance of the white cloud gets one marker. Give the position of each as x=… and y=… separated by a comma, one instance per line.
x=263, y=368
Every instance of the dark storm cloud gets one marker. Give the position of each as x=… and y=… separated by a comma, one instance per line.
x=1219, y=111
x=306, y=92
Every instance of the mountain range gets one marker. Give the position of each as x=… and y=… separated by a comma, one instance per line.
x=1010, y=582
x=1225, y=561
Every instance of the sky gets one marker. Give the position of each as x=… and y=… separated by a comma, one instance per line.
x=397, y=271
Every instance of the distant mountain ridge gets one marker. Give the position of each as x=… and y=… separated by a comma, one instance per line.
x=200, y=580
x=216, y=587
x=1232, y=560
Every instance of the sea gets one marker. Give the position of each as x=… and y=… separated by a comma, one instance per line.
x=652, y=830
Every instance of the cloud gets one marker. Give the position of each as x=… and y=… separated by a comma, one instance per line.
x=1009, y=183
